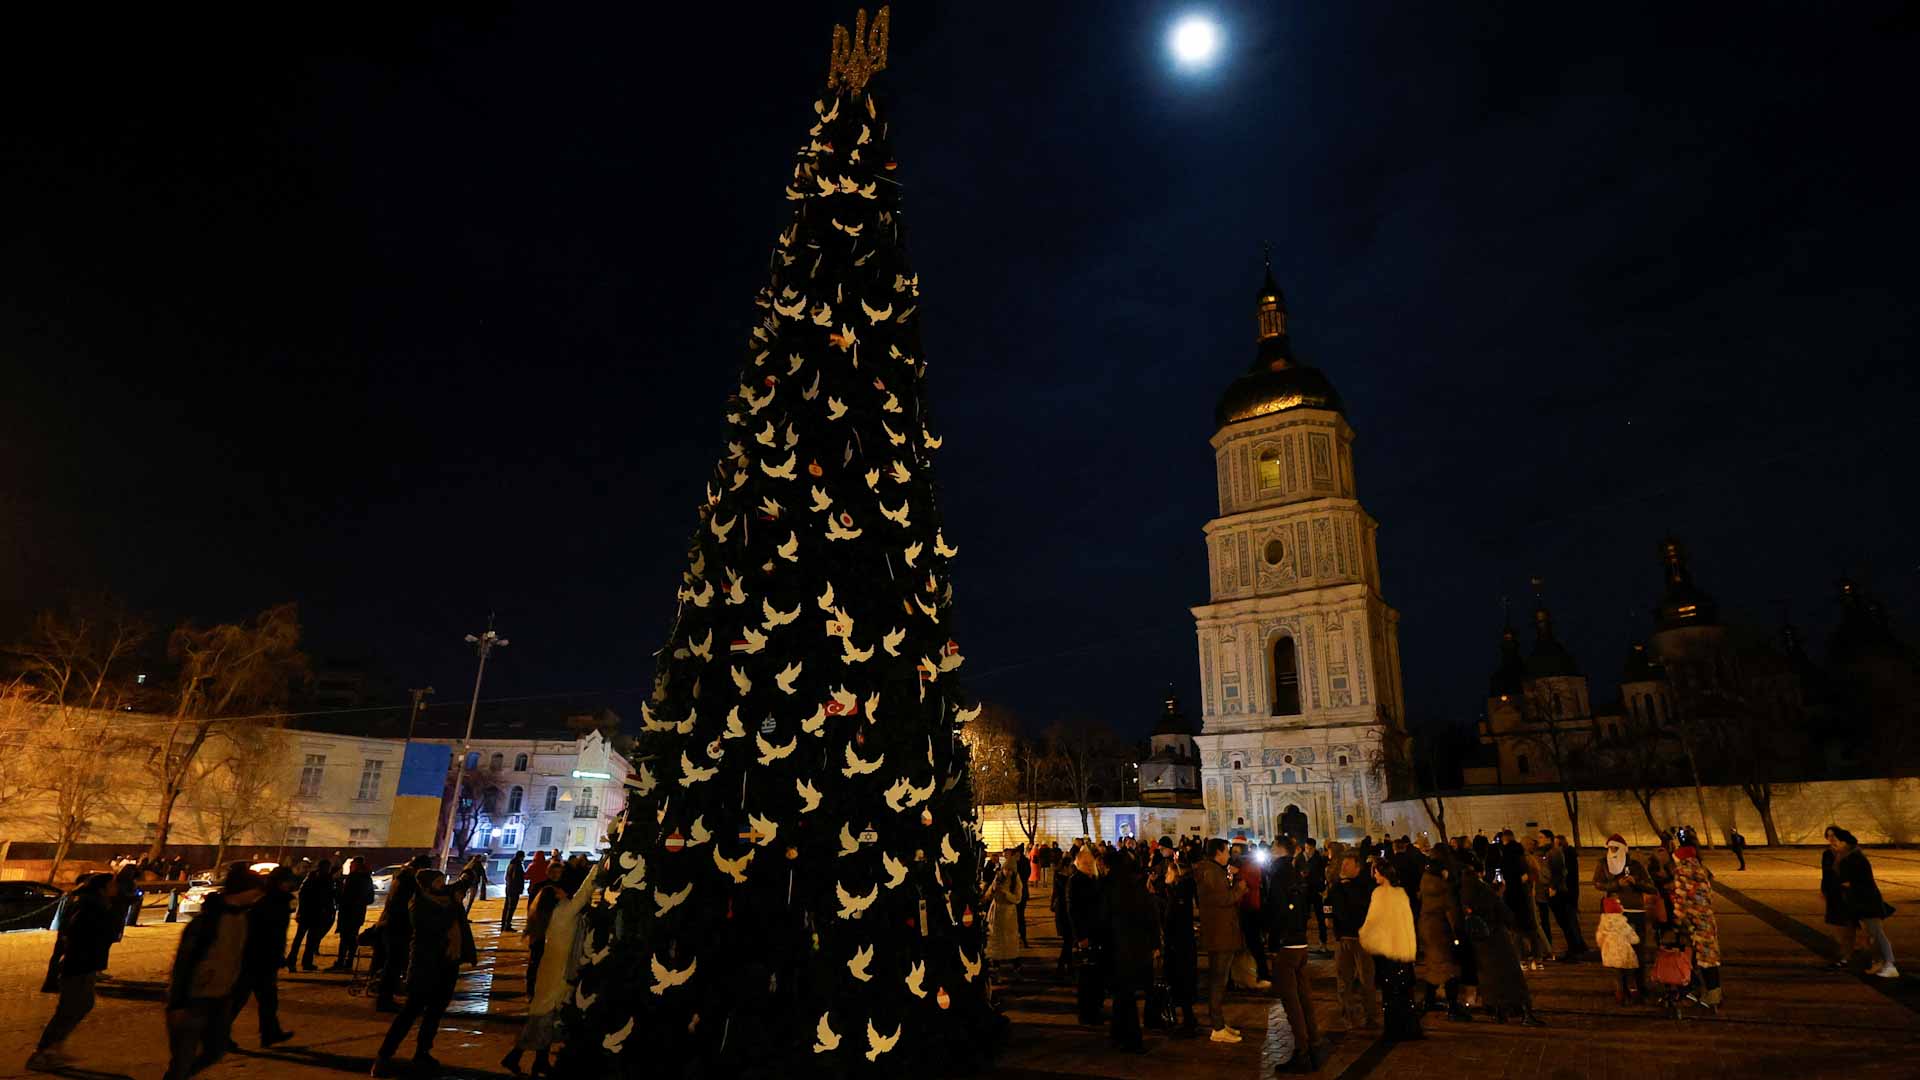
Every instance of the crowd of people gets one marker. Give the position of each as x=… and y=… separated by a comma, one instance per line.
x=1449, y=928
x=233, y=949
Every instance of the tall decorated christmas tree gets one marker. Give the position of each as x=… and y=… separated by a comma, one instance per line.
x=792, y=889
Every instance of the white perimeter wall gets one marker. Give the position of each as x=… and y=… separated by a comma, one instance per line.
x=1876, y=811
x=1000, y=827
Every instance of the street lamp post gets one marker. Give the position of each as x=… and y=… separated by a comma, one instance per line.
x=482, y=644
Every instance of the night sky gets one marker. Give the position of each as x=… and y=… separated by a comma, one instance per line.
x=414, y=318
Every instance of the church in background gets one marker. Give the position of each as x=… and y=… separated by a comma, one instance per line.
x=1300, y=688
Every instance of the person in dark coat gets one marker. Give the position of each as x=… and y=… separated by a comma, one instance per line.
x=1289, y=907
x=1346, y=905
x=441, y=942
x=351, y=897
x=1440, y=935
x=1216, y=893
x=260, y=964
x=313, y=916
x=1062, y=920
x=1316, y=884
x=206, y=970
x=396, y=932
x=1503, y=986
x=1738, y=845
x=1842, y=925
x=1860, y=897
x=1173, y=888
x=1133, y=931
x=1086, y=911
x=1026, y=872
x=91, y=922
x=1563, y=893
x=516, y=886
x=1408, y=865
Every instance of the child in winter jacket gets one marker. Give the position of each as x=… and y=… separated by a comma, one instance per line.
x=1617, y=940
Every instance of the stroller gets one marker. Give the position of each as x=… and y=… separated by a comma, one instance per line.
x=1676, y=975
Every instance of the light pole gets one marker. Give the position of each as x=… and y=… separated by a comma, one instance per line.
x=482, y=644
x=419, y=702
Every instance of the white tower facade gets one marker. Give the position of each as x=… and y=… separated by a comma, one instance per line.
x=1299, y=651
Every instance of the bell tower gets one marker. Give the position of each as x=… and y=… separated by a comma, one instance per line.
x=1299, y=651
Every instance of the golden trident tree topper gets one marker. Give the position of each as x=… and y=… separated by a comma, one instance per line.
x=856, y=59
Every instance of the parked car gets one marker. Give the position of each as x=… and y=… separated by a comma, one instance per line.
x=383, y=882
x=27, y=905
x=197, y=891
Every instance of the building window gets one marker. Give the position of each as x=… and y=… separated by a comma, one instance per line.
x=1523, y=765
x=510, y=838
x=490, y=801
x=1286, y=678
x=473, y=760
x=553, y=799
x=514, y=798
x=579, y=839
x=370, y=771
x=1275, y=552
x=296, y=836
x=495, y=762
x=1343, y=759
x=359, y=837
x=312, y=773
x=546, y=836
x=1236, y=763
x=520, y=763
x=1270, y=467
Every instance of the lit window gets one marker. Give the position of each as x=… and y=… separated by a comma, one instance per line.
x=312, y=773
x=510, y=838
x=1270, y=467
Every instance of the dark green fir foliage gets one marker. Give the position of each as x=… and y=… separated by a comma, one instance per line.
x=792, y=889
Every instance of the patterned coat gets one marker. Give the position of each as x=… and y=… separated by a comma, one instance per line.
x=1693, y=909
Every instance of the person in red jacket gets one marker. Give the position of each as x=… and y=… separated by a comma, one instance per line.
x=1248, y=865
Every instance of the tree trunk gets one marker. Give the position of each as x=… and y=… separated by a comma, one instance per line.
x=169, y=794
x=1436, y=809
x=1572, y=800
x=59, y=856
x=1761, y=796
x=219, y=856
x=1699, y=790
x=1646, y=807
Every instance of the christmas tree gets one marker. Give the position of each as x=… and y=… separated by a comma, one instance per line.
x=793, y=886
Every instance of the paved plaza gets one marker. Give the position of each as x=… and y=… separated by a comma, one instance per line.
x=1786, y=1013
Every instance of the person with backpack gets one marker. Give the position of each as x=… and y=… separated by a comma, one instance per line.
x=206, y=970
x=314, y=915
x=91, y=922
x=352, y=895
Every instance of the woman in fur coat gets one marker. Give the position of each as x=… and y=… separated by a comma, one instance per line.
x=1388, y=936
x=1692, y=912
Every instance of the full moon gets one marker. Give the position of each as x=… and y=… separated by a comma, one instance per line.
x=1195, y=40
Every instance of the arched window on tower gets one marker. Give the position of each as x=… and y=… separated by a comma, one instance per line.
x=1523, y=765
x=1286, y=678
x=1269, y=468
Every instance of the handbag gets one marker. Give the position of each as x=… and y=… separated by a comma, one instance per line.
x=1673, y=967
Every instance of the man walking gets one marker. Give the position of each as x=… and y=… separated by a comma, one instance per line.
x=1738, y=845
x=1217, y=892
x=1563, y=894
x=206, y=968
x=516, y=884
x=1347, y=902
x=260, y=961
x=351, y=898
x=1020, y=909
x=89, y=925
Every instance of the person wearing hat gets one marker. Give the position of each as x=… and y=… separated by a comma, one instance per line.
x=1692, y=914
x=1619, y=876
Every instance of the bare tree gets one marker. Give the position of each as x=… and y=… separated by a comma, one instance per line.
x=1410, y=764
x=1638, y=755
x=229, y=673
x=243, y=784
x=1566, y=747
x=1006, y=768
x=467, y=814
x=1038, y=770
x=71, y=672
x=1086, y=753
x=20, y=716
